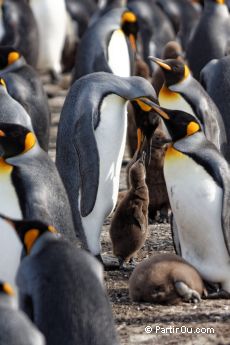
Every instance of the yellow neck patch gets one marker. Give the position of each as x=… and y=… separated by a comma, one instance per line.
x=52, y=229
x=172, y=153
x=128, y=17
x=4, y=167
x=6, y=287
x=2, y=82
x=192, y=128
x=220, y=2
x=186, y=72
x=30, y=141
x=30, y=238
x=165, y=93
x=12, y=57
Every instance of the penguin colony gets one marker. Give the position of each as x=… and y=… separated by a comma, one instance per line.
x=51, y=214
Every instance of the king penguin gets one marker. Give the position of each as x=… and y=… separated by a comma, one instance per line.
x=18, y=28
x=216, y=81
x=29, y=181
x=90, y=146
x=51, y=18
x=198, y=183
x=62, y=289
x=182, y=92
x=15, y=326
x=210, y=39
x=24, y=85
x=107, y=45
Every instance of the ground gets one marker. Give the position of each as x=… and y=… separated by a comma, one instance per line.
x=205, y=323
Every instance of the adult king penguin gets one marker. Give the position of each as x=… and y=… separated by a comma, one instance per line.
x=30, y=187
x=15, y=326
x=18, y=28
x=24, y=85
x=108, y=45
x=90, y=146
x=210, y=39
x=62, y=289
x=216, y=81
x=182, y=92
x=198, y=183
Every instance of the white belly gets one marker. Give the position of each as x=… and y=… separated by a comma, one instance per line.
x=51, y=18
x=118, y=54
x=196, y=203
x=110, y=136
x=10, y=245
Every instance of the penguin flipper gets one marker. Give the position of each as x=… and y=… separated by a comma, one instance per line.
x=88, y=157
x=175, y=236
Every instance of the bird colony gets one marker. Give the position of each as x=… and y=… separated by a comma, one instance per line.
x=147, y=77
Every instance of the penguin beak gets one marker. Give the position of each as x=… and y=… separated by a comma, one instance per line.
x=160, y=63
x=8, y=220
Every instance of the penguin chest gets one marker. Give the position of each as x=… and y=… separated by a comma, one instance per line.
x=110, y=137
x=10, y=246
x=173, y=100
x=118, y=54
x=196, y=202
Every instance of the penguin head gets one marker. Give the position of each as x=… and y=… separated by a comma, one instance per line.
x=175, y=71
x=130, y=27
x=137, y=172
x=29, y=230
x=8, y=55
x=147, y=120
x=6, y=289
x=179, y=124
x=15, y=140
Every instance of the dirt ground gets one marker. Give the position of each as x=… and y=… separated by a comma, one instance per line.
x=187, y=324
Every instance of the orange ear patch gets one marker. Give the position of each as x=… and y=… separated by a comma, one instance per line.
x=143, y=106
x=30, y=141
x=12, y=57
x=128, y=17
x=7, y=288
x=192, y=128
x=30, y=238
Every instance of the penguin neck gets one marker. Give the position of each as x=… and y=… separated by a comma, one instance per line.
x=140, y=189
x=7, y=302
x=14, y=66
x=42, y=241
x=17, y=160
x=215, y=8
x=4, y=166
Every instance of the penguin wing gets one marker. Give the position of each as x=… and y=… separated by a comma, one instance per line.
x=205, y=153
x=175, y=237
x=88, y=157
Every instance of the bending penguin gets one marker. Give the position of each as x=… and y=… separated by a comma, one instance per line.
x=15, y=326
x=182, y=92
x=90, y=146
x=55, y=270
x=25, y=86
x=108, y=45
x=198, y=183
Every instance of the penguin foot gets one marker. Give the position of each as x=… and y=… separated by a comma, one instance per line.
x=189, y=295
x=132, y=263
x=108, y=263
x=221, y=294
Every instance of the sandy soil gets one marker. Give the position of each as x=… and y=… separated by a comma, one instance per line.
x=205, y=323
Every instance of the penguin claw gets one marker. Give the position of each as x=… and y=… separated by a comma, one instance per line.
x=189, y=295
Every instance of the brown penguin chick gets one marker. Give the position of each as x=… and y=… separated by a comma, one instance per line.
x=172, y=50
x=165, y=279
x=158, y=195
x=129, y=224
